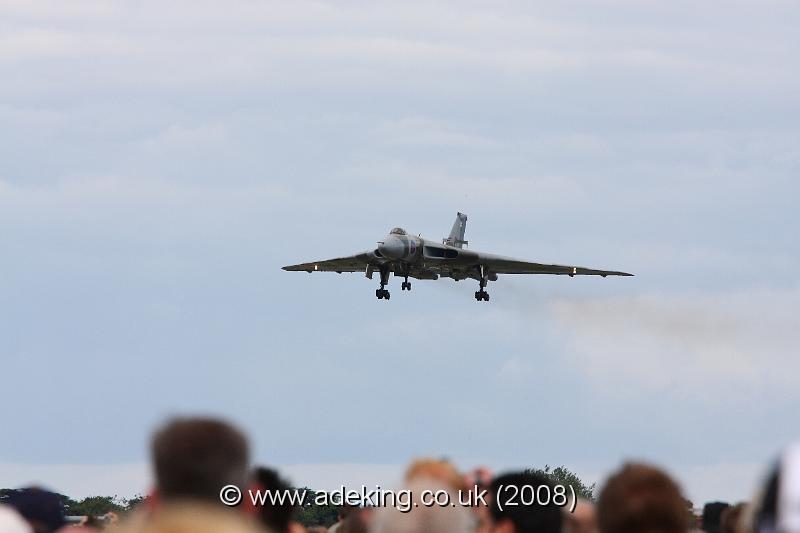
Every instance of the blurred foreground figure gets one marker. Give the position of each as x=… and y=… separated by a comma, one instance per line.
x=421, y=518
x=641, y=499
x=194, y=458
x=520, y=518
x=356, y=522
x=192, y=518
x=732, y=518
x=42, y=509
x=478, y=480
x=12, y=522
x=582, y=520
x=277, y=517
x=778, y=507
x=344, y=511
x=436, y=469
x=712, y=516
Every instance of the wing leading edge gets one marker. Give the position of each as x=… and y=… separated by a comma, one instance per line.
x=506, y=265
x=353, y=263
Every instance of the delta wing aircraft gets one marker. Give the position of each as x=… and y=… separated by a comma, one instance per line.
x=408, y=256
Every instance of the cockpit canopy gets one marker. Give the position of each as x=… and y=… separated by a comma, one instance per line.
x=397, y=231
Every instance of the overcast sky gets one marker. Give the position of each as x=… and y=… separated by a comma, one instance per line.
x=160, y=162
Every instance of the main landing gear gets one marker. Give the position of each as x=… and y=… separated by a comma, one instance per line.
x=382, y=293
x=482, y=294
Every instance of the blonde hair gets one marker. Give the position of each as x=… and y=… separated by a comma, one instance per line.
x=436, y=469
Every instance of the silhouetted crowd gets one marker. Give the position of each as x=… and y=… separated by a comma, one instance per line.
x=195, y=459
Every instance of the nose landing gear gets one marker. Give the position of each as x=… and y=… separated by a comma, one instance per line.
x=406, y=285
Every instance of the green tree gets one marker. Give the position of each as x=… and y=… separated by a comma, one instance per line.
x=132, y=503
x=94, y=506
x=66, y=501
x=563, y=476
x=316, y=515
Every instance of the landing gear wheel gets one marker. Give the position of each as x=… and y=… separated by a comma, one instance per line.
x=482, y=281
x=382, y=293
x=405, y=286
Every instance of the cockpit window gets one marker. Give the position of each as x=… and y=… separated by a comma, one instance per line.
x=397, y=231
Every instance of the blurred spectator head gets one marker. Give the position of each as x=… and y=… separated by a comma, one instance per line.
x=12, y=522
x=355, y=522
x=731, y=518
x=276, y=517
x=421, y=518
x=712, y=514
x=533, y=518
x=42, y=509
x=477, y=480
x=778, y=506
x=346, y=510
x=436, y=469
x=195, y=457
x=582, y=520
x=641, y=499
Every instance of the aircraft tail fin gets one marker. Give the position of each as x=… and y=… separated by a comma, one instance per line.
x=456, y=237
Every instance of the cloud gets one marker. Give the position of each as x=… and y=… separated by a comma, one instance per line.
x=721, y=342
x=180, y=137
x=429, y=132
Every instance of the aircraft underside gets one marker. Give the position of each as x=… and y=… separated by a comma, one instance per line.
x=406, y=270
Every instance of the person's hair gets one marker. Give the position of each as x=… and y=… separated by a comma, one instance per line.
x=194, y=458
x=438, y=469
x=533, y=518
x=641, y=499
x=277, y=512
x=712, y=516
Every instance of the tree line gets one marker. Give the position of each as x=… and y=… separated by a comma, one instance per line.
x=310, y=515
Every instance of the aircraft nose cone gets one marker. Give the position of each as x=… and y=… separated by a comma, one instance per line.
x=392, y=248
